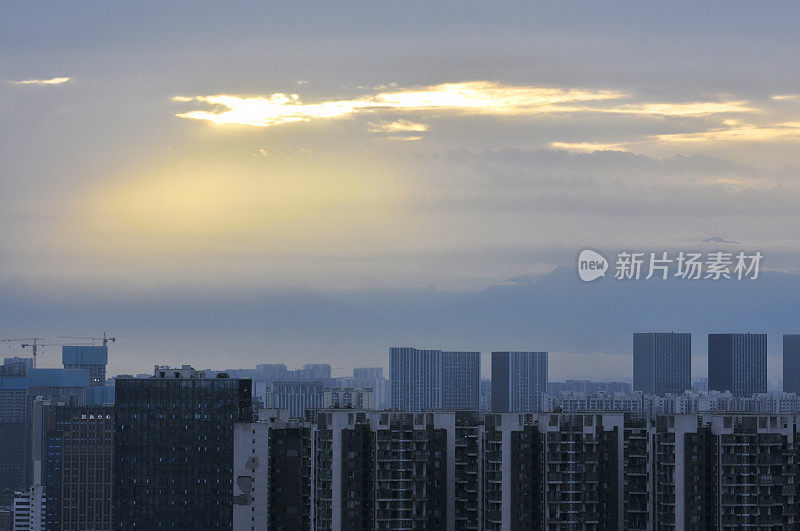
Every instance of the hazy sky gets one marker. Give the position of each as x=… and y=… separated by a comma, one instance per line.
x=387, y=144
x=166, y=148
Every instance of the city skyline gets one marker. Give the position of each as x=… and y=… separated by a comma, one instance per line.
x=166, y=442
x=368, y=265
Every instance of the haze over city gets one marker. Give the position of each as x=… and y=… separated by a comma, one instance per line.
x=287, y=182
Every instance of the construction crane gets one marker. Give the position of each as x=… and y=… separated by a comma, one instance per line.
x=105, y=339
x=34, y=344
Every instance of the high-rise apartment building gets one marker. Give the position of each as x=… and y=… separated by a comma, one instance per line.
x=434, y=379
x=29, y=509
x=518, y=381
x=461, y=380
x=373, y=377
x=381, y=470
x=296, y=396
x=368, y=373
x=791, y=363
x=349, y=398
x=725, y=472
x=662, y=362
x=173, y=448
x=553, y=471
x=272, y=475
x=358, y=469
x=737, y=363
x=16, y=366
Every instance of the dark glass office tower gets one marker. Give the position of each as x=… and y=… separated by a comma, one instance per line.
x=662, y=363
x=791, y=363
x=77, y=466
x=737, y=363
x=173, y=449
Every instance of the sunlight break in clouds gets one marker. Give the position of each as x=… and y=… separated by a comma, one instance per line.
x=474, y=97
x=398, y=126
x=587, y=146
x=51, y=81
x=788, y=131
x=786, y=97
x=693, y=109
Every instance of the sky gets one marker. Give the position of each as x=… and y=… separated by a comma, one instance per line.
x=388, y=145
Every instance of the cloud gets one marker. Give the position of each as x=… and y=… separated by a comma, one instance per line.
x=592, y=162
x=719, y=239
x=587, y=146
x=691, y=109
x=404, y=138
x=611, y=183
x=51, y=81
x=718, y=120
x=786, y=97
x=787, y=131
x=472, y=97
x=398, y=126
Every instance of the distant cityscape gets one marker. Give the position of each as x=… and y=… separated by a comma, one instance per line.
x=434, y=445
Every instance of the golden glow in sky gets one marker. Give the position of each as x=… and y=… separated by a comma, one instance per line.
x=472, y=97
x=51, y=81
x=182, y=208
x=475, y=97
x=490, y=98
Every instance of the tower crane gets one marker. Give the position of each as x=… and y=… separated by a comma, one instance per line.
x=105, y=339
x=34, y=344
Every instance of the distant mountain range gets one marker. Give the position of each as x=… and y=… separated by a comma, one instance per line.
x=555, y=312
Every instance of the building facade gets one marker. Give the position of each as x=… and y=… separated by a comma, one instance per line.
x=78, y=467
x=791, y=363
x=17, y=396
x=434, y=379
x=272, y=475
x=174, y=448
x=737, y=363
x=373, y=377
x=725, y=472
x=349, y=398
x=519, y=379
x=29, y=509
x=296, y=396
x=358, y=469
x=91, y=358
x=662, y=363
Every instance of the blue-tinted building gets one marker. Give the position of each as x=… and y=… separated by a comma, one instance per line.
x=519, y=379
x=17, y=393
x=791, y=363
x=92, y=358
x=737, y=363
x=296, y=397
x=662, y=362
x=434, y=379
